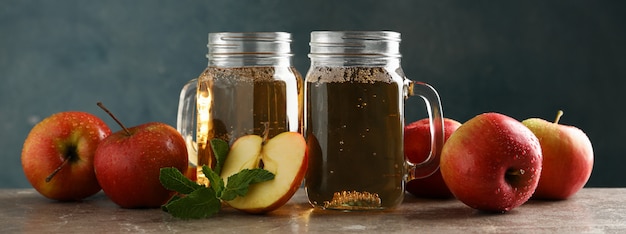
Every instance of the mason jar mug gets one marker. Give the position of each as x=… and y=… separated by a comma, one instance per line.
x=354, y=121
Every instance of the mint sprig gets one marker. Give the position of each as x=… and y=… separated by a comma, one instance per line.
x=195, y=201
x=173, y=179
x=200, y=203
x=220, y=150
x=238, y=183
x=215, y=181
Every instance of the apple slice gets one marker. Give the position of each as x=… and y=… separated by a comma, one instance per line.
x=284, y=155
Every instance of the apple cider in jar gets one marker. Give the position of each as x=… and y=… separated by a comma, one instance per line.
x=249, y=87
x=354, y=132
x=354, y=124
x=246, y=100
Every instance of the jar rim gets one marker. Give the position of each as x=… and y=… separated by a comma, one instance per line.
x=355, y=43
x=249, y=43
x=361, y=35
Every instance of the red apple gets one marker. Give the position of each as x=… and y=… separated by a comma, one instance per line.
x=128, y=163
x=567, y=158
x=284, y=155
x=417, y=149
x=57, y=157
x=492, y=163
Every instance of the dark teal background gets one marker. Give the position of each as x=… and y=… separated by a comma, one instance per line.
x=521, y=58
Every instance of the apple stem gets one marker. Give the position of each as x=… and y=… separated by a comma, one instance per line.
x=114, y=118
x=266, y=131
x=512, y=175
x=515, y=172
x=49, y=178
x=558, y=116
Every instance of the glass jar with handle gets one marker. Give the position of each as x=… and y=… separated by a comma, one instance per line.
x=354, y=121
x=249, y=87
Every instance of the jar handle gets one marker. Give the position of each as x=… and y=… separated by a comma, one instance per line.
x=186, y=119
x=435, y=116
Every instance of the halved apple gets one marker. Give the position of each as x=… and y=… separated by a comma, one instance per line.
x=284, y=155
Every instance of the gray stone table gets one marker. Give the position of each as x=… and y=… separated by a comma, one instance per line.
x=592, y=210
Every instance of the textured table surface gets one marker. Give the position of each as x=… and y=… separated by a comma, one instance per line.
x=592, y=210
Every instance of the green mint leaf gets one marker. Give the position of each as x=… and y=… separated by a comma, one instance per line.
x=220, y=150
x=239, y=183
x=172, y=179
x=174, y=198
x=201, y=203
x=216, y=182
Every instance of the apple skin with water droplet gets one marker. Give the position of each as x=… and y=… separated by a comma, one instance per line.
x=57, y=156
x=492, y=163
x=567, y=158
x=128, y=165
x=417, y=149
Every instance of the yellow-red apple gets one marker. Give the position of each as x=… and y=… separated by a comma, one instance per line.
x=492, y=163
x=57, y=156
x=417, y=148
x=284, y=155
x=567, y=158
